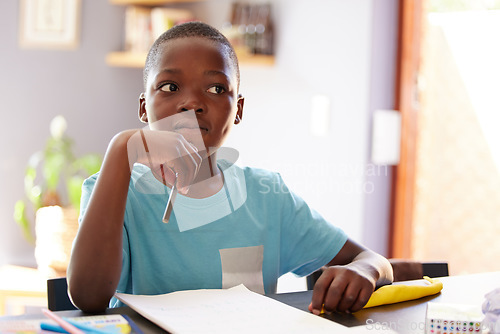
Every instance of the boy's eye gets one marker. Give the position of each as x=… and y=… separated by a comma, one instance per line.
x=169, y=87
x=216, y=89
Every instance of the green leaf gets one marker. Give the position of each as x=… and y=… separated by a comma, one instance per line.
x=29, y=180
x=22, y=221
x=75, y=190
x=32, y=190
x=90, y=163
x=83, y=167
x=53, y=169
x=50, y=170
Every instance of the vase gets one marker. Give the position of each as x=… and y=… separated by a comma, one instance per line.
x=55, y=229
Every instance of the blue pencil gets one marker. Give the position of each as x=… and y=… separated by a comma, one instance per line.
x=87, y=328
x=58, y=329
x=53, y=328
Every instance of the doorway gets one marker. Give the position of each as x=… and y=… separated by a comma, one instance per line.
x=455, y=209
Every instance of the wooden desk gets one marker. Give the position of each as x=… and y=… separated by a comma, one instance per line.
x=144, y=324
x=406, y=317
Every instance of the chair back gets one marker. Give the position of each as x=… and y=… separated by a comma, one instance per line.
x=57, y=295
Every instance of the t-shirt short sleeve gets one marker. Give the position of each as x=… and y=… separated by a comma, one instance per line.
x=308, y=241
x=87, y=188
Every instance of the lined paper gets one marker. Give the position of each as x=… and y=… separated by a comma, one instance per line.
x=234, y=310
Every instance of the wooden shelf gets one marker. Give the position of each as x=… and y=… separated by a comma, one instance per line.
x=149, y=2
x=126, y=59
x=255, y=59
x=136, y=60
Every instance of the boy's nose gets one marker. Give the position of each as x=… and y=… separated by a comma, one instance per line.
x=197, y=110
x=192, y=102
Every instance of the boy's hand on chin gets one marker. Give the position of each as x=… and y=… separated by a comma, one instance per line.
x=342, y=289
x=165, y=153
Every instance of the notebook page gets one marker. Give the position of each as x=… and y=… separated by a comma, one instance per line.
x=234, y=310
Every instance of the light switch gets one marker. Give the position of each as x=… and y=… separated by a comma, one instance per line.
x=386, y=137
x=320, y=115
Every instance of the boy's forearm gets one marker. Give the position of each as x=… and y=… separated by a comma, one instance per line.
x=95, y=265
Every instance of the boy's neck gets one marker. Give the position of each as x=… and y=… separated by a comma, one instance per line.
x=209, y=180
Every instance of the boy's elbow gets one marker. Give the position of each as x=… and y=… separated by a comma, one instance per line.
x=88, y=303
x=87, y=299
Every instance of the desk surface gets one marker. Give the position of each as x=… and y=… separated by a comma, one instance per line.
x=406, y=317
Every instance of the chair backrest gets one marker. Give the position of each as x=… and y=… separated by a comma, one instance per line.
x=435, y=269
x=57, y=295
x=404, y=270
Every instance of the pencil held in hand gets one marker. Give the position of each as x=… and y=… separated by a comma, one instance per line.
x=171, y=200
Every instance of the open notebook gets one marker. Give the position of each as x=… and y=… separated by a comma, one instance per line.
x=234, y=310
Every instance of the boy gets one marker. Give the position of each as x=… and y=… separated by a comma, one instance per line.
x=227, y=228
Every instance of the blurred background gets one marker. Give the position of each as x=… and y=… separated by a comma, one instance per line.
x=320, y=88
x=326, y=48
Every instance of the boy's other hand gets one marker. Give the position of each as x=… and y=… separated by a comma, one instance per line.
x=342, y=289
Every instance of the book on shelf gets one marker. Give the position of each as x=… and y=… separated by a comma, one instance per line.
x=137, y=29
x=164, y=18
x=250, y=28
x=144, y=24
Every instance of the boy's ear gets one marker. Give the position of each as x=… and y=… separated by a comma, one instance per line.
x=143, y=115
x=239, y=112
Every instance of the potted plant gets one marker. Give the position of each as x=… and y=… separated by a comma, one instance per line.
x=52, y=183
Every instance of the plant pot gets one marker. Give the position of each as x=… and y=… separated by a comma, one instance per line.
x=55, y=229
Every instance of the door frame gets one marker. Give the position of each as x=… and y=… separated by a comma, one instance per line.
x=411, y=13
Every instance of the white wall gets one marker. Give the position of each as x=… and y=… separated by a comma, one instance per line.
x=323, y=52
x=323, y=47
x=346, y=51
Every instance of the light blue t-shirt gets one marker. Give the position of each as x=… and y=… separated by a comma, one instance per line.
x=252, y=231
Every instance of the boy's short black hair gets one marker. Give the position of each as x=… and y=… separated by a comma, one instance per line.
x=190, y=29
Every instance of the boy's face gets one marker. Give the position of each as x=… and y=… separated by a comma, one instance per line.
x=193, y=73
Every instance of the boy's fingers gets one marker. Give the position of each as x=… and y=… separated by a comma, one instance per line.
x=363, y=297
x=354, y=294
x=317, y=299
x=189, y=166
x=340, y=290
x=167, y=175
x=183, y=170
x=349, y=298
x=336, y=295
x=169, y=154
x=195, y=157
x=319, y=291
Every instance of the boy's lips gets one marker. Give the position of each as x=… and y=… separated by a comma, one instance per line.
x=189, y=126
x=187, y=129
x=191, y=133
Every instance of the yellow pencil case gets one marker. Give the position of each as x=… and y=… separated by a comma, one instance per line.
x=396, y=293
